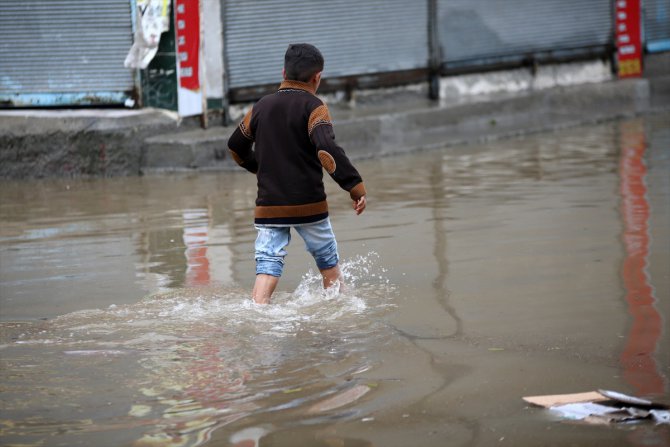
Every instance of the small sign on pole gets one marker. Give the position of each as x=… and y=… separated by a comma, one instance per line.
x=628, y=37
x=190, y=91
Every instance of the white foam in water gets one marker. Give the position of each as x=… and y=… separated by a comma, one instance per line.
x=197, y=353
x=229, y=308
x=309, y=302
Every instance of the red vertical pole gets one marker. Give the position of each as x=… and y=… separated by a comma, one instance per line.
x=187, y=20
x=627, y=30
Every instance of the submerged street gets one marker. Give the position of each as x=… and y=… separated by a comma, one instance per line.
x=477, y=275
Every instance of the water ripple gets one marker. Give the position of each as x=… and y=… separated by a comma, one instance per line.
x=193, y=360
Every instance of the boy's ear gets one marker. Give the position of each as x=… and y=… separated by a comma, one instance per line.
x=316, y=80
x=283, y=73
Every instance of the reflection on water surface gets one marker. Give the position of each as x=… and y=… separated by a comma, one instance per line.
x=477, y=275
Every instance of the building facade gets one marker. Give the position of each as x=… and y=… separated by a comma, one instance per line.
x=215, y=52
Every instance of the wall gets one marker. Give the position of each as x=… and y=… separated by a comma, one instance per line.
x=213, y=48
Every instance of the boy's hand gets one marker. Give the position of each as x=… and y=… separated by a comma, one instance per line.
x=359, y=205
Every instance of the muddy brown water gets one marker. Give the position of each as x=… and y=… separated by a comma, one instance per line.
x=478, y=275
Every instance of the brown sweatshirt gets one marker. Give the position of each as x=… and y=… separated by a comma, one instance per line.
x=294, y=142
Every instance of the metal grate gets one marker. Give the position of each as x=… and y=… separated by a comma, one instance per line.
x=355, y=37
x=52, y=46
x=657, y=25
x=476, y=32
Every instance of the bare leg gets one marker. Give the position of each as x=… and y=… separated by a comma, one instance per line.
x=263, y=288
x=331, y=277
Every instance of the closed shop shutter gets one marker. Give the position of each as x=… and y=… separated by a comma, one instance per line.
x=483, y=32
x=356, y=37
x=54, y=52
x=657, y=25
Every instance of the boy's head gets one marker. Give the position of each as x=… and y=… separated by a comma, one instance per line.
x=302, y=61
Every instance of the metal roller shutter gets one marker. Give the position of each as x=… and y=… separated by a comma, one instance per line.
x=476, y=32
x=54, y=51
x=657, y=25
x=356, y=37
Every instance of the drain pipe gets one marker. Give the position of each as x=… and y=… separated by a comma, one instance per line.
x=434, y=53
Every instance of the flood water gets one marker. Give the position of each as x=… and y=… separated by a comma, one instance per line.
x=477, y=275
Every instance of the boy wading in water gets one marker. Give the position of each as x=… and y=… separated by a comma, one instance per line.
x=294, y=142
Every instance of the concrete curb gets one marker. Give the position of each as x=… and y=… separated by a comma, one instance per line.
x=495, y=118
x=431, y=125
x=103, y=143
x=194, y=149
x=67, y=143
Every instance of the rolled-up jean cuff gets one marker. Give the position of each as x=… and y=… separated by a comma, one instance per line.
x=320, y=243
x=270, y=247
x=269, y=267
x=327, y=263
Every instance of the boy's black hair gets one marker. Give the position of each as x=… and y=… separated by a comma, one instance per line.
x=302, y=61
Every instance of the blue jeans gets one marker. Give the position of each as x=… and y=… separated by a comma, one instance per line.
x=272, y=241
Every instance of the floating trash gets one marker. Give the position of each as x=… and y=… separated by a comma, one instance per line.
x=603, y=407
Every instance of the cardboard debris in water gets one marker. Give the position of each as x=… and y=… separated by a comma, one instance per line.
x=603, y=407
x=340, y=399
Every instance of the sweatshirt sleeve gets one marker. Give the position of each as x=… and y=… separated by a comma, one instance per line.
x=240, y=145
x=331, y=155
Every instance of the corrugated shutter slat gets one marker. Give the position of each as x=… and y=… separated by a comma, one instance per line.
x=64, y=46
x=355, y=37
x=657, y=24
x=476, y=31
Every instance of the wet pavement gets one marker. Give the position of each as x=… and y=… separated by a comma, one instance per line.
x=478, y=275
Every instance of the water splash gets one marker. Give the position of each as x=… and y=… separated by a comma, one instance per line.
x=178, y=365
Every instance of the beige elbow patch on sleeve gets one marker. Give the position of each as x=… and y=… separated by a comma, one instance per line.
x=327, y=161
x=236, y=157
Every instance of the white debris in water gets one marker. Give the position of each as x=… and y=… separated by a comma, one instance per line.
x=139, y=410
x=88, y=352
x=153, y=338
